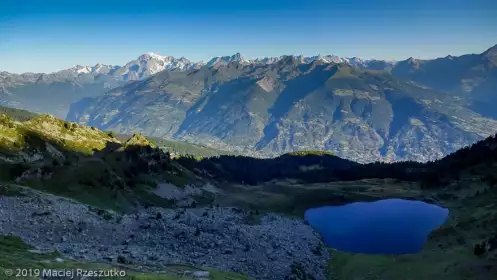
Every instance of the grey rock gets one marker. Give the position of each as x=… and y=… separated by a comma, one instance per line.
x=228, y=251
x=200, y=274
x=34, y=251
x=220, y=246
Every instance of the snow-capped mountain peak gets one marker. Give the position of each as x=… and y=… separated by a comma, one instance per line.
x=151, y=63
x=155, y=56
x=221, y=60
x=95, y=70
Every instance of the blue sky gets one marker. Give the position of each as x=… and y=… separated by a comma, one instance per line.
x=46, y=36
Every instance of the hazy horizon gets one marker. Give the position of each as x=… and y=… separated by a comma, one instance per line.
x=50, y=36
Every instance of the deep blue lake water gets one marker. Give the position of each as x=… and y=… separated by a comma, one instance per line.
x=390, y=226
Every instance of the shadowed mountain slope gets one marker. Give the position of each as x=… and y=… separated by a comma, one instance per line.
x=362, y=115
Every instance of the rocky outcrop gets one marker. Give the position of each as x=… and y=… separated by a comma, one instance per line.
x=138, y=140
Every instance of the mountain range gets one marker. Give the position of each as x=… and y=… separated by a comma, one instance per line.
x=365, y=110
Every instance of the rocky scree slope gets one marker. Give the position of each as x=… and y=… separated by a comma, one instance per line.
x=153, y=238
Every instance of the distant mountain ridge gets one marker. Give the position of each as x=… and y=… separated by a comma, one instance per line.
x=364, y=110
x=151, y=63
x=472, y=77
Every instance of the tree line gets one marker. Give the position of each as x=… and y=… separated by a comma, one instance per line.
x=324, y=167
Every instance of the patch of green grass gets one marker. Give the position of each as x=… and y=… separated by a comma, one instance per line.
x=223, y=275
x=204, y=199
x=10, y=190
x=253, y=218
x=103, y=197
x=62, y=183
x=9, y=172
x=180, y=176
x=431, y=263
x=90, y=181
x=152, y=276
x=144, y=194
x=14, y=254
x=292, y=198
x=178, y=180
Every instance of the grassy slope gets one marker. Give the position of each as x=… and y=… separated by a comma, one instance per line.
x=291, y=197
x=14, y=254
x=105, y=183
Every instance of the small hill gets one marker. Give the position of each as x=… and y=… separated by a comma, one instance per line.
x=138, y=140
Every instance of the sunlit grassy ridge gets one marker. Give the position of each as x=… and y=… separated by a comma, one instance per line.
x=15, y=135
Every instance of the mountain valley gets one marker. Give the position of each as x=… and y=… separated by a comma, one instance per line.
x=362, y=115
x=363, y=110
